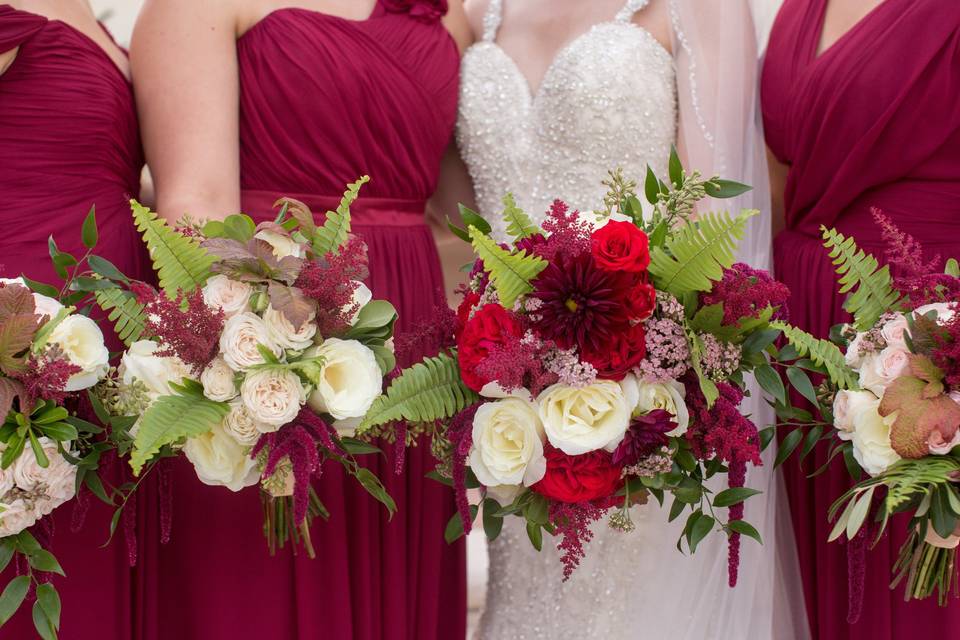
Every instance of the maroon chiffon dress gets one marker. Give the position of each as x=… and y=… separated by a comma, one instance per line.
x=324, y=100
x=874, y=121
x=68, y=140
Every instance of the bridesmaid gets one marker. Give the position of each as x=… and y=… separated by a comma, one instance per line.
x=860, y=108
x=244, y=101
x=68, y=140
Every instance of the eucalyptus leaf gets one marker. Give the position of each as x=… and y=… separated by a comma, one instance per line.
x=88, y=232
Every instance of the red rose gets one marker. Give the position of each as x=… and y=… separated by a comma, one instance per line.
x=624, y=351
x=490, y=326
x=470, y=300
x=621, y=246
x=589, y=476
x=641, y=301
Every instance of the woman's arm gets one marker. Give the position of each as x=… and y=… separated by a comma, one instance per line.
x=456, y=23
x=184, y=65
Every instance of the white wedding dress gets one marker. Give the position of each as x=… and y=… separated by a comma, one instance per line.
x=613, y=98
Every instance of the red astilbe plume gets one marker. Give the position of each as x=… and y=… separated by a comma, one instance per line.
x=519, y=363
x=297, y=442
x=460, y=435
x=571, y=522
x=736, y=478
x=566, y=234
x=187, y=327
x=431, y=334
x=46, y=376
x=332, y=282
x=745, y=292
x=920, y=281
x=946, y=353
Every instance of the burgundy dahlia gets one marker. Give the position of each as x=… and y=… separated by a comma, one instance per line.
x=582, y=304
x=646, y=435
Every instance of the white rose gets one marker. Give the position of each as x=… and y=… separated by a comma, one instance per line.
x=56, y=480
x=350, y=379
x=273, y=396
x=598, y=219
x=643, y=397
x=508, y=444
x=218, y=380
x=847, y=404
x=348, y=426
x=219, y=460
x=15, y=517
x=579, y=420
x=283, y=245
x=44, y=305
x=871, y=437
x=895, y=331
x=361, y=296
x=878, y=370
x=496, y=391
x=139, y=362
x=82, y=343
x=853, y=356
x=241, y=426
x=230, y=296
x=6, y=478
x=285, y=334
x=241, y=335
x=944, y=311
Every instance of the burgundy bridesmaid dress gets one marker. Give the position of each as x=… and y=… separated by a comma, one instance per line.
x=324, y=100
x=68, y=140
x=874, y=121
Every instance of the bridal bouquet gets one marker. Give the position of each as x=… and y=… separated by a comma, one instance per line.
x=894, y=406
x=261, y=343
x=597, y=359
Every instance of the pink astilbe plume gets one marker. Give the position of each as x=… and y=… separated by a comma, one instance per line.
x=572, y=523
x=332, y=282
x=187, y=327
x=921, y=281
x=297, y=441
x=745, y=292
x=567, y=235
x=46, y=376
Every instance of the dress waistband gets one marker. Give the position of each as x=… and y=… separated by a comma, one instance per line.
x=365, y=211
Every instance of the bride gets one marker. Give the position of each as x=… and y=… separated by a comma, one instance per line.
x=553, y=94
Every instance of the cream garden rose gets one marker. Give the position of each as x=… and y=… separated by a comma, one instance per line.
x=878, y=370
x=580, y=420
x=894, y=332
x=643, y=397
x=285, y=334
x=44, y=305
x=508, y=444
x=140, y=362
x=847, y=404
x=349, y=381
x=15, y=517
x=273, y=396
x=219, y=381
x=871, y=437
x=82, y=343
x=240, y=339
x=283, y=245
x=219, y=460
x=241, y=426
x=230, y=296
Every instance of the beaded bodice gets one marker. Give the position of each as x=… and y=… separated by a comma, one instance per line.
x=607, y=100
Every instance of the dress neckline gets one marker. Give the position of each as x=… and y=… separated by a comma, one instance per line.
x=276, y=13
x=821, y=17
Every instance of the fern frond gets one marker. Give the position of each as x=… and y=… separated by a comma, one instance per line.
x=511, y=273
x=181, y=263
x=822, y=352
x=333, y=234
x=126, y=314
x=695, y=256
x=874, y=293
x=519, y=224
x=906, y=479
x=429, y=390
x=171, y=418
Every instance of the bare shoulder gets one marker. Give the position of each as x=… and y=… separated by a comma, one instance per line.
x=456, y=23
x=476, y=10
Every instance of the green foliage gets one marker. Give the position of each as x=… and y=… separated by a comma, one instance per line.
x=874, y=293
x=183, y=415
x=333, y=234
x=510, y=273
x=519, y=224
x=180, y=262
x=694, y=257
x=429, y=390
x=822, y=352
x=127, y=315
x=907, y=478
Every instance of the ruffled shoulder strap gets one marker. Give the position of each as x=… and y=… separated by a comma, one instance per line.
x=422, y=10
x=16, y=27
